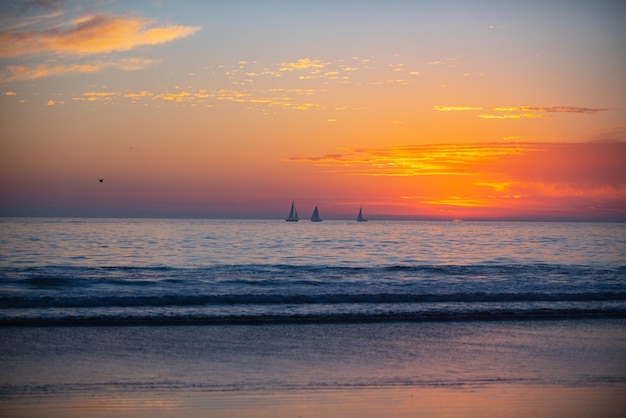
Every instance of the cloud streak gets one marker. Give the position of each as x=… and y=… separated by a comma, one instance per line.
x=553, y=109
x=24, y=72
x=97, y=34
x=596, y=163
x=520, y=112
x=504, y=177
x=66, y=45
x=417, y=160
x=514, y=116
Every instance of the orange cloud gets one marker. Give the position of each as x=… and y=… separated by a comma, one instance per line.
x=575, y=180
x=90, y=35
x=91, y=96
x=553, y=109
x=257, y=99
x=509, y=112
x=455, y=108
x=514, y=116
x=24, y=72
x=303, y=63
x=418, y=160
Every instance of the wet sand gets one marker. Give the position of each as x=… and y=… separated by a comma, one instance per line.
x=466, y=369
x=487, y=401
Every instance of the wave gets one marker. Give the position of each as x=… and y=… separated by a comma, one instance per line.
x=72, y=275
x=297, y=299
x=309, y=293
x=337, y=318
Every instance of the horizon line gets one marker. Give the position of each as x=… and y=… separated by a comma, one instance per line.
x=384, y=218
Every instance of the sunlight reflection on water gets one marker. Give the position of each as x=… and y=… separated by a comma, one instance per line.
x=188, y=243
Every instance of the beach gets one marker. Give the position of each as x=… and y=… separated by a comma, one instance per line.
x=573, y=368
x=493, y=401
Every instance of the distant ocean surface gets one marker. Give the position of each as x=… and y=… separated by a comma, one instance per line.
x=155, y=271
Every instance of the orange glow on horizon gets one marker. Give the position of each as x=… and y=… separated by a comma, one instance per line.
x=492, y=180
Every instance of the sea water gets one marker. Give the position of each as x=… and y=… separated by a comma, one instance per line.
x=60, y=271
x=109, y=316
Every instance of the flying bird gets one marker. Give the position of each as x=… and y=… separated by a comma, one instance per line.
x=100, y=180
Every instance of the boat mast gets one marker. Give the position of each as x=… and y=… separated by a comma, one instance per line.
x=316, y=216
x=360, y=217
x=293, y=214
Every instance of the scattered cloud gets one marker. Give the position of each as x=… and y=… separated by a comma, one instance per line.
x=142, y=93
x=303, y=63
x=264, y=100
x=92, y=96
x=357, y=72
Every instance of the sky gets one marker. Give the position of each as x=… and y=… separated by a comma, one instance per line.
x=451, y=110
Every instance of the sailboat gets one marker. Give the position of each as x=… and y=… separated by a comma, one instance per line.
x=316, y=216
x=360, y=218
x=293, y=214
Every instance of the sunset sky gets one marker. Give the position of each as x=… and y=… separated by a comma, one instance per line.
x=411, y=109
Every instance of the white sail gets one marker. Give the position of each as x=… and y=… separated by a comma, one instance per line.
x=293, y=214
x=360, y=218
x=316, y=216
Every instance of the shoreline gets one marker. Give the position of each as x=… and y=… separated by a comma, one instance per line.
x=339, y=319
x=557, y=368
x=479, y=401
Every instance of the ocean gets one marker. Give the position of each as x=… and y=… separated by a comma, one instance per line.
x=120, y=271
x=208, y=314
